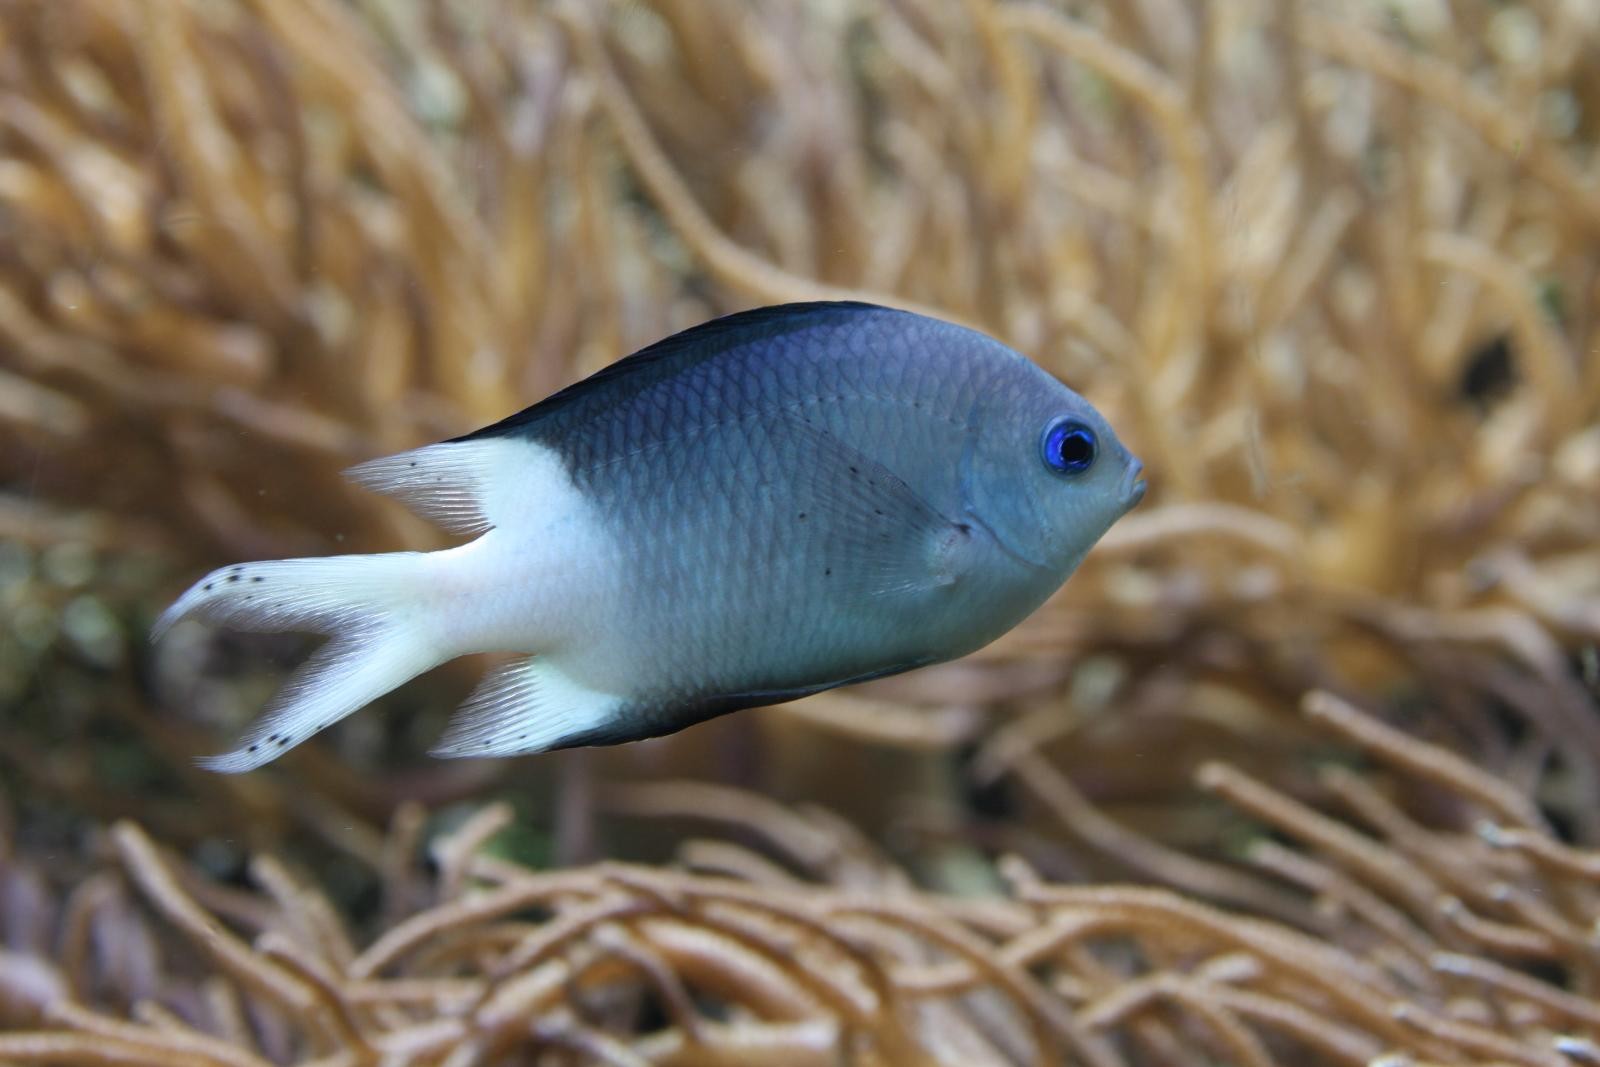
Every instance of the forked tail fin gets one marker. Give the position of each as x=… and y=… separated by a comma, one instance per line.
x=395, y=615
x=372, y=607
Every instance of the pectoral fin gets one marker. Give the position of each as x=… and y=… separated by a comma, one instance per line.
x=880, y=537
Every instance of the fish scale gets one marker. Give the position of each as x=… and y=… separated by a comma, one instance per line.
x=758, y=508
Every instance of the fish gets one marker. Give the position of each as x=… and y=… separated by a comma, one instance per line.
x=761, y=507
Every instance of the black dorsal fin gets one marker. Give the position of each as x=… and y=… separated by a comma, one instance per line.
x=673, y=354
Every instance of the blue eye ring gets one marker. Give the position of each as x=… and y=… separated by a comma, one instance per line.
x=1069, y=447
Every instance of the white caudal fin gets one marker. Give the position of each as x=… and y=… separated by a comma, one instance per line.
x=464, y=486
x=343, y=676
x=368, y=604
x=528, y=583
x=529, y=705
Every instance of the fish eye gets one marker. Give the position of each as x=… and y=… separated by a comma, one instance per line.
x=1069, y=447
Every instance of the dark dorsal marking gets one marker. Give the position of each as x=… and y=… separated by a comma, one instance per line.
x=680, y=352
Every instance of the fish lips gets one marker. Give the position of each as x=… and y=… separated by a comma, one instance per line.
x=1133, y=484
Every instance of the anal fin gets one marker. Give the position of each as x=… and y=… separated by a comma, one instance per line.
x=530, y=705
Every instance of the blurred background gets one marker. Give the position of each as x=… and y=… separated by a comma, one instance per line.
x=1332, y=270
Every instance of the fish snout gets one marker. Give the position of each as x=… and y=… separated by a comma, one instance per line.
x=1133, y=484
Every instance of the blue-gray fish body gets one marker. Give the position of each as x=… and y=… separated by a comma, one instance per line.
x=765, y=506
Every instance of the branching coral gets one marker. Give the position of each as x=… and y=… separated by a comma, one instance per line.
x=1327, y=266
x=1410, y=953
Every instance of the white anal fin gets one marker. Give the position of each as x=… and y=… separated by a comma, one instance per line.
x=529, y=705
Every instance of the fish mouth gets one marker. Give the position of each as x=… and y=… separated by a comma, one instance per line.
x=1133, y=484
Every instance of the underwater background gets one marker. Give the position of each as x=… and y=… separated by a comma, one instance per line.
x=1301, y=768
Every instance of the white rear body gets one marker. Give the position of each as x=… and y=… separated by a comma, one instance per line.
x=539, y=580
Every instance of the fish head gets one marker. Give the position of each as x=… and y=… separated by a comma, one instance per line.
x=1044, y=473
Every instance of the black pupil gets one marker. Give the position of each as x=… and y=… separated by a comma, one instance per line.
x=1077, y=448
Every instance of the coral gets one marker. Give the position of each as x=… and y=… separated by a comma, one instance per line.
x=1420, y=941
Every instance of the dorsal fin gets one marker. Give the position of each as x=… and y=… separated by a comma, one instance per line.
x=685, y=349
x=469, y=486
x=447, y=483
